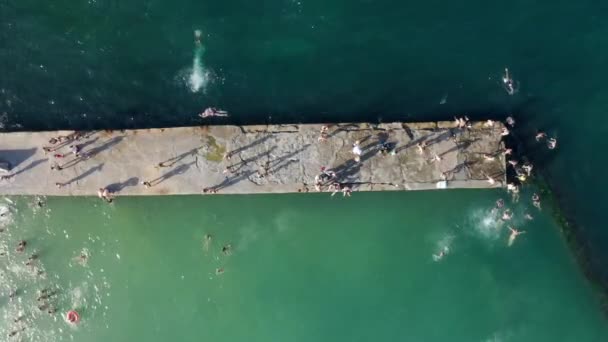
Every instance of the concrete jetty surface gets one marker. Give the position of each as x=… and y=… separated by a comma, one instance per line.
x=262, y=159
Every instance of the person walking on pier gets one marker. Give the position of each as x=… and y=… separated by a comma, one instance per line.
x=421, y=147
x=357, y=150
x=323, y=134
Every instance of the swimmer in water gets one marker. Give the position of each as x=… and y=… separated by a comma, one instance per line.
x=21, y=246
x=197, y=36
x=528, y=217
x=219, y=271
x=507, y=215
x=536, y=201
x=500, y=203
x=513, y=235
x=510, y=121
x=207, y=242
x=82, y=259
x=504, y=132
x=540, y=135
x=528, y=168
x=552, y=143
x=227, y=249
x=443, y=252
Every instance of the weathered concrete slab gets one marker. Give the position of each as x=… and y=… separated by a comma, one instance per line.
x=263, y=159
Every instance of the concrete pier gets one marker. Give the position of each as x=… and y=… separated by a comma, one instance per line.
x=263, y=159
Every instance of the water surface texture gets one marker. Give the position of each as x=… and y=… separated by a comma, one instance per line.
x=358, y=269
x=298, y=268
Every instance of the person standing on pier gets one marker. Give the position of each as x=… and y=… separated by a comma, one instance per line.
x=357, y=150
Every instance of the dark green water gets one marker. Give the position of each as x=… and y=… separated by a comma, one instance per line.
x=111, y=64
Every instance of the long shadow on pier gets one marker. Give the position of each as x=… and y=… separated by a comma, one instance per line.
x=93, y=152
x=85, y=174
x=246, y=147
x=117, y=187
x=178, y=170
x=16, y=157
x=30, y=166
x=172, y=161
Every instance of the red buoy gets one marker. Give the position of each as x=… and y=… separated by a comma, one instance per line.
x=72, y=317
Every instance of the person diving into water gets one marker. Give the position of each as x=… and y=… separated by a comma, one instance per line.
x=508, y=83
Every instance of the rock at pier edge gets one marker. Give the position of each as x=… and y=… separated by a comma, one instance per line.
x=252, y=159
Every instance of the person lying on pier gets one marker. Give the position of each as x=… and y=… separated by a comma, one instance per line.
x=209, y=112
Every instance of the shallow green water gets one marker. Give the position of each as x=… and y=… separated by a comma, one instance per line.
x=305, y=268
x=302, y=268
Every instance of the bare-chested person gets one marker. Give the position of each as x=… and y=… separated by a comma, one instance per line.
x=507, y=215
x=510, y=121
x=528, y=168
x=540, y=135
x=513, y=235
x=536, y=201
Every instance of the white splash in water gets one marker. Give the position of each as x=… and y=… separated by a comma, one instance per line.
x=485, y=223
x=443, y=247
x=196, y=77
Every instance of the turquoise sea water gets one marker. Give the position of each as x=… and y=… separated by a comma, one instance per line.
x=120, y=64
x=301, y=268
